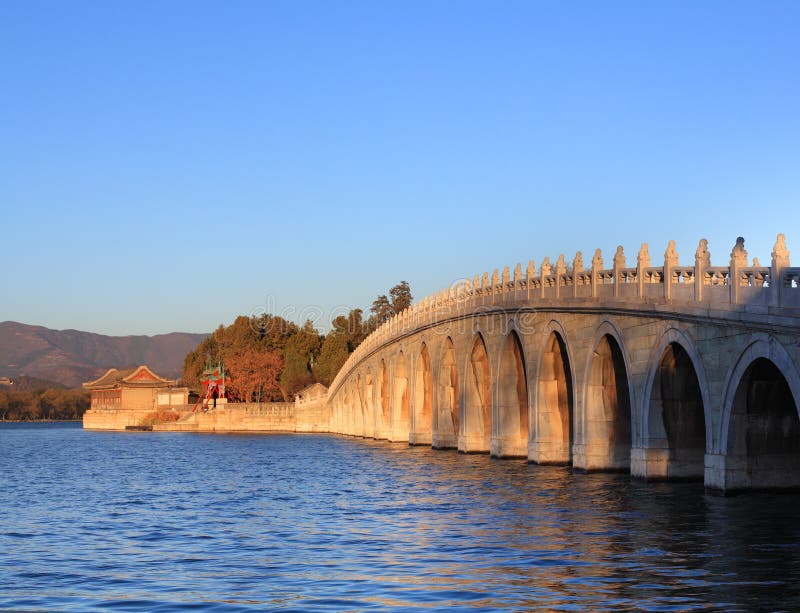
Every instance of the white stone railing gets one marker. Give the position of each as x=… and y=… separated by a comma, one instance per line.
x=701, y=283
x=301, y=401
x=264, y=409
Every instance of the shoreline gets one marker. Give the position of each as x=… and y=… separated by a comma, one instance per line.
x=40, y=421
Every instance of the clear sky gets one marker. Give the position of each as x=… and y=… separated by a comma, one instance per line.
x=165, y=166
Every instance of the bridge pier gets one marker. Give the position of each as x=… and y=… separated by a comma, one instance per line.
x=398, y=435
x=650, y=464
x=473, y=443
x=444, y=441
x=601, y=456
x=508, y=447
x=420, y=438
x=726, y=473
x=381, y=432
x=663, y=464
x=550, y=452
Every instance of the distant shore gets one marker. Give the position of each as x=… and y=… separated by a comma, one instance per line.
x=39, y=421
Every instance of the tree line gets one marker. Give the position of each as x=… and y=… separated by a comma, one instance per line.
x=55, y=404
x=271, y=359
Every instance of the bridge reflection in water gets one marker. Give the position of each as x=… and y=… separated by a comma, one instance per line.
x=669, y=371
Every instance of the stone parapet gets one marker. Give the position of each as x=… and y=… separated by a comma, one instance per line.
x=238, y=417
x=113, y=419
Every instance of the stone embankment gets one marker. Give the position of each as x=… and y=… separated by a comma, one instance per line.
x=298, y=416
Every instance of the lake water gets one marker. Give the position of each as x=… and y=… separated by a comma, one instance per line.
x=158, y=521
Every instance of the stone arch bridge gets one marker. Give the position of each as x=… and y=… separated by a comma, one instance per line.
x=668, y=371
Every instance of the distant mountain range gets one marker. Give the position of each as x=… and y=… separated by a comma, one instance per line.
x=71, y=357
x=25, y=383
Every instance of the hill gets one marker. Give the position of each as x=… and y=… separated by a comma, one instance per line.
x=71, y=357
x=28, y=384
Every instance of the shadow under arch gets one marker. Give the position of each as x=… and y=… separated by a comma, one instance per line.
x=760, y=437
x=476, y=425
x=554, y=406
x=675, y=423
x=607, y=420
x=510, y=439
x=422, y=422
x=446, y=424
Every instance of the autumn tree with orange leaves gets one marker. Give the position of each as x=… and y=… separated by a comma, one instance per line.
x=254, y=374
x=271, y=358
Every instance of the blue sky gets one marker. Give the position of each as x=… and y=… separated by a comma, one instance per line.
x=169, y=165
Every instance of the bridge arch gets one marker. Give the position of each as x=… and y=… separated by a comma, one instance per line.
x=343, y=411
x=676, y=426
x=554, y=399
x=476, y=420
x=369, y=395
x=353, y=408
x=399, y=408
x=760, y=437
x=510, y=416
x=607, y=419
x=448, y=393
x=422, y=421
x=384, y=414
x=347, y=420
x=360, y=410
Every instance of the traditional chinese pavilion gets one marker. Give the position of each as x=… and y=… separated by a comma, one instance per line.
x=132, y=388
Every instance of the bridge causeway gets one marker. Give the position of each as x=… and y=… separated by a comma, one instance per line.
x=668, y=371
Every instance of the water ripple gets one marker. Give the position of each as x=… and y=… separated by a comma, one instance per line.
x=168, y=522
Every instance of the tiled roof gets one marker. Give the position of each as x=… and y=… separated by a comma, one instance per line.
x=311, y=387
x=111, y=377
x=115, y=378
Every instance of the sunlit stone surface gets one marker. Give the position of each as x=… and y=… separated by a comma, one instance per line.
x=667, y=371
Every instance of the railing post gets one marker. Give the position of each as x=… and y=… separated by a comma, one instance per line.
x=780, y=260
x=702, y=260
x=642, y=262
x=577, y=269
x=561, y=270
x=597, y=266
x=670, y=261
x=619, y=264
x=545, y=272
x=530, y=274
x=738, y=261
